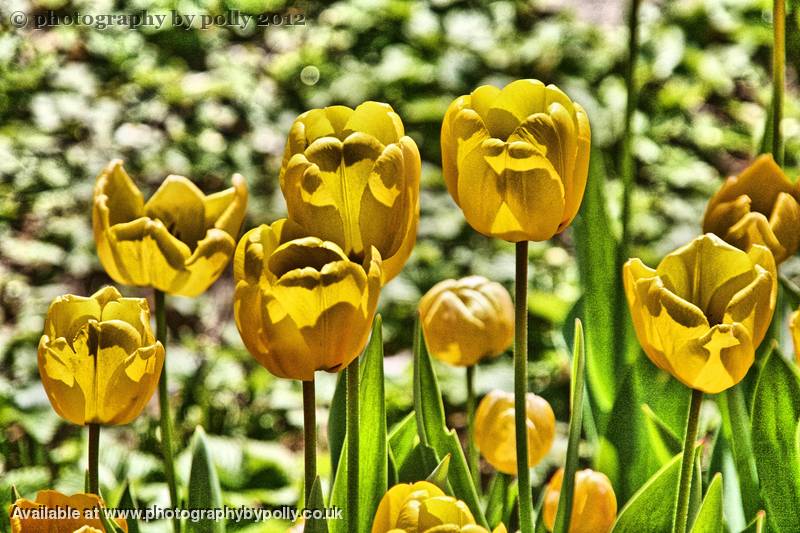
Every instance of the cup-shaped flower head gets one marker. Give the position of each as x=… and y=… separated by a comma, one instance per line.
x=759, y=206
x=516, y=159
x=594, y=506
x=98, y=359
x=422, y=507
x=701, y=314
x=76, y=514
x=495, y=430
x=467, y=320
x=178, y=242
x=301, y=304
x=351, y=176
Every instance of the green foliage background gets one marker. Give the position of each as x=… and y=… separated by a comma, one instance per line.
x=208, y=103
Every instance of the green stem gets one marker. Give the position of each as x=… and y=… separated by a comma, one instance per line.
x=94, y=456
x=778, y=76
x=687, y=460
x=310, y=436
x=352, y=446
x=521, y=386
x=472, y=450
x=163, y=401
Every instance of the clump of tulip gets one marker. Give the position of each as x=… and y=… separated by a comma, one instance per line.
x=495, y=430
x=301, y=305
x=98, y=359
x=594, y=504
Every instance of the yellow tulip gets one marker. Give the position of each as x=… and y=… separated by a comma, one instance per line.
x=179, y=242
x=516, y=160
x=98, y=359
x=300, y=304
x=760, y=206
x=794, y=326
x=594, y=505
x=40, y=515
x=422, y=507
x=495, y=429
x=351, y=176
x=703, y=312
x=467, y=320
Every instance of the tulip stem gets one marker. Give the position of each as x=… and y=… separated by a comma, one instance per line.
x=310, y=436
x=163, y=402
x=521, y=386
x=687, y=461
x=94, y=456
x=778, y=76
x=472, y=450
x=352, y=446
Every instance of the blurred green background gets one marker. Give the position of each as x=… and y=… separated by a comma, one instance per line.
x=208, y=103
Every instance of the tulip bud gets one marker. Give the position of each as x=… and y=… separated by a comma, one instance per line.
x=351, y=176
x=703, y=312
x=422, y=507
x=594, y=504
x=300, y=304
x=467, y=320
x=516, y=160
x=57, y=513
x=760, y=206
x=495, y=433
x=98, y=359
x=179, y=242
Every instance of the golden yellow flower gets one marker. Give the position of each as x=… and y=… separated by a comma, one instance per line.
x=594, y=505
x=760, y=206
x=351, y=176
x=179, y=242
x=516, y=160
x=300, y=304
x=98, y=359
x=422, y=507
x=495, y=429
x=77, y=515
x=467, y=320
x=794, y=327
x=703, y=312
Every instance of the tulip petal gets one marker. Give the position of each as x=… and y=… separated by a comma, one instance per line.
x=441, y=510
x=450, y=144
x=179, y=205
x=377, y=120
x=206, y=263
x=574, y=192
x=510, y=191
x=717, y=360
x=57, y=362
x=226, y=209
x=723, y=215
x=513, y=105
x=482, y=99
x=68, y=314
x=123, y=199
x=784, y=221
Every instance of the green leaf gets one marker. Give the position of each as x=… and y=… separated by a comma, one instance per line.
x=126, y=501
x=414, y=460
x=316, y=501
x=403, y=437
x=758, y=525
x=204, y=489
x=564, y=512
x=372, y=450
x=439, y=475
x=631, y=451
x=596, y=253
x=497, y=498
x=669, y=438
x=337, y=421
x=776, y=406
x=709, y=518
x=433, y=430
x=651, y=509
x=15, y=494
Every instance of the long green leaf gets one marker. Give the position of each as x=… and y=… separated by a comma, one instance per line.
x=651, y=509
x=204, y=489
x=372, y=450
x=126, y=501
x=776, y=409
x=596, y=250
x=497, y=498
x=337, y=421
x=433, y=430
x=709, y=518
x=758, y=525
x=564, y=513
x=736, y=431
x=317, y=502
